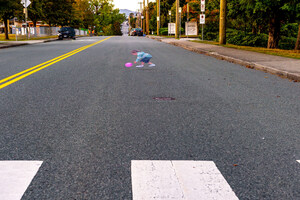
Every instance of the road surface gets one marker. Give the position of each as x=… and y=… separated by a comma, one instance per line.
x=83, y=126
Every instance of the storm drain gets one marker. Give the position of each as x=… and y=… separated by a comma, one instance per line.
x=164, y=98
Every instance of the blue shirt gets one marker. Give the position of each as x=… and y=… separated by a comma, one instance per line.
x=141, y=55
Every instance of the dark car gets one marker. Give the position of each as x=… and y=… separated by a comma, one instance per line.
x=136, y=32
x=66, y=32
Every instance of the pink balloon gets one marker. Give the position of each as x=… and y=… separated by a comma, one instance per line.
x=128, y=64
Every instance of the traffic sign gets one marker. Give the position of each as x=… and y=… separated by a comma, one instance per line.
x=202, y=18
x=202, y=2
x=202, y=7
x=25, y=3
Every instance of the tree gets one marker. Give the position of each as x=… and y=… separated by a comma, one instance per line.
x=272, y=12
x=58, y=12
x=83, y=14
x=293, y=7
x=35, y=11
x=9, y=9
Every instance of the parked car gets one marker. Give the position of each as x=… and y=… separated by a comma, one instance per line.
x=136, y=32
x=66, y=32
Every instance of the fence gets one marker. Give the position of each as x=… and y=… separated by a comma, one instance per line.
x=42, y=31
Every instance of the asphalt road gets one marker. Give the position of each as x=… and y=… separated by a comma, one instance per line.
x=87, y=117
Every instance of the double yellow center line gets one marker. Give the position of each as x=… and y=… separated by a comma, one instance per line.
x=16, y=77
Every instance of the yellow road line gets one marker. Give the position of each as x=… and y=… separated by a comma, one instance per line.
x=44, y=65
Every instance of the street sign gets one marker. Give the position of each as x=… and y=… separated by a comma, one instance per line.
x=202, y=18
x=25, y=3
x=191, y=28
x=202, y=7
x=202, y=2
x=171, y=28
x=157, y=18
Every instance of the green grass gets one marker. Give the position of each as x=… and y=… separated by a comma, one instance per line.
x=276, y=52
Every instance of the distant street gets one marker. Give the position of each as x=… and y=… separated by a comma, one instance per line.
x=84, y=126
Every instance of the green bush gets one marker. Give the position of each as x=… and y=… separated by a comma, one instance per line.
x=289, y=30
x=214, y=36
x=164, y=31
x=246, y=39
x=242, y=38
x=287, y=43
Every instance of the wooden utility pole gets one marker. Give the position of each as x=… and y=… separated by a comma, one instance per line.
x=177, y=20
x=222, y=28
x=147, y=18
x=141, y=11
x=144, y=14
x=158, y=15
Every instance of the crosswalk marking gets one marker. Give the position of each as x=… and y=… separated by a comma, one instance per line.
x=178, y=180
x=15, y=177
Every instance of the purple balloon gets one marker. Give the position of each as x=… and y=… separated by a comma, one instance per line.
x=128, y=64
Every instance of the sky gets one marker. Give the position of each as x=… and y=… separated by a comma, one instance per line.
x=128, y=4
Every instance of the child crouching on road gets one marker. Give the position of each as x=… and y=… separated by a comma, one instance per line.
x=143, y=58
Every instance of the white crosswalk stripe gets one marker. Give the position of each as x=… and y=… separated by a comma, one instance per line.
x=15, y=177
x=178, y=180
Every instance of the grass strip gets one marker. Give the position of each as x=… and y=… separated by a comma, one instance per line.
x=276, y=52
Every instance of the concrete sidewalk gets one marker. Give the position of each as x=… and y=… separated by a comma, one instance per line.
x=7, y=44
x=281, y=66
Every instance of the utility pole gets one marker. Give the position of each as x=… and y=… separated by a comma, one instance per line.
x=222, y=28
x=180, y=10
x=177, y=20
x=141, y=11
x=26, y=16
x=169, y=25
x=144, y=14
x=187, y=23
x=147, y=18
x=158, y=15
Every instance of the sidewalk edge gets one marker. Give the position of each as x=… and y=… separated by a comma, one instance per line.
x=251, y=65
x=15, y=45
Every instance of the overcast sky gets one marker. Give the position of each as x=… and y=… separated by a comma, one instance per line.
x=128, y=4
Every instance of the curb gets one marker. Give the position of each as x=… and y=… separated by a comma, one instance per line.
x=22, y=44
x=251, y=65
x=13, y=45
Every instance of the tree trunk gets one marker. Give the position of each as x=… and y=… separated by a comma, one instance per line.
x=254, y=28
x=6, y=27
x=274, y=32
x=297, y=46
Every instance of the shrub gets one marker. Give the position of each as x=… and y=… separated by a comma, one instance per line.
x=246, y=39
x=164, y=31
x=287, y=43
